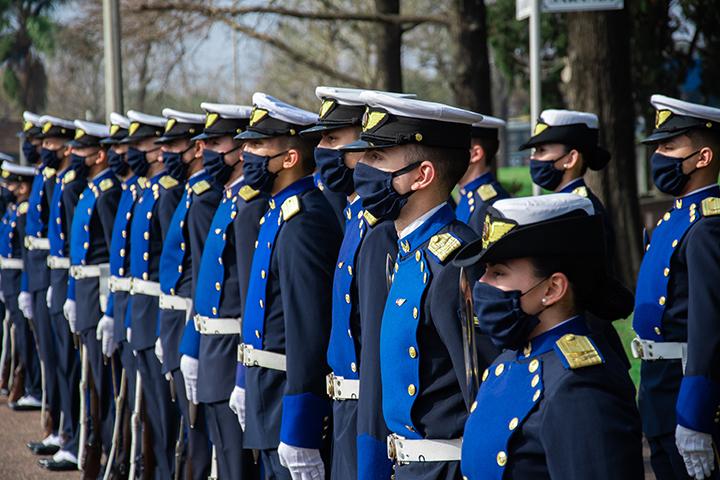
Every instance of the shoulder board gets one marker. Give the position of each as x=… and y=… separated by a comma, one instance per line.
x=106, y=184
x=69, y=177
x=290, y=207
x=22, y=208
x=168, y=182
x=142, y=182
x=370, y=218
x=711, y=206
x=581, y=191
x=577, y=351
x=201, y=187
x=443, y=245
x=49, y=172
x=247, y=193
x=487, y=192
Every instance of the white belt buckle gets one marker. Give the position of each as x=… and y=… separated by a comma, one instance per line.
x=391, y=447
x=636, y=347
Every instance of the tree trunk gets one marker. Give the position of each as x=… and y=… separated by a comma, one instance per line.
x=600, y=82
x=389, y=46
x=471, y=84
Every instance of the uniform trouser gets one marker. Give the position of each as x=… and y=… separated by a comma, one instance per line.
x=102, y=379
x=68, y=381
x=272, y=469
x=344, y=446
x=45, y=334
x=234, y=462
x=428, y=471
x=163, y=416
x=25, y=344
x=197, y=447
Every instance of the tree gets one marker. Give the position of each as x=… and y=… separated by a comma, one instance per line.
x=471, y=84
x=599, y=81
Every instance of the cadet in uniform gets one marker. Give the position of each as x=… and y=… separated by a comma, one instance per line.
x=183, y=161
x=478, y=187
x=209, y=345
x=558, y=402
x=151, y=216
x=286, y=321
x=414, y=157
x=676, y=307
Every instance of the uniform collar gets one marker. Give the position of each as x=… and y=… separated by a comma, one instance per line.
x=483, y=179
x=100, y=175
x=300, y=186
x=545, y=342
x=353, y=209
x=572, y=185
x=425, y=227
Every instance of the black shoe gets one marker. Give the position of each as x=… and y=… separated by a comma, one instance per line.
x=55, y=466
x=39, y=448
x=23, y=408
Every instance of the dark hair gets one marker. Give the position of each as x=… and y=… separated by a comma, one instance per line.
x=580, y=271
x=305, y=146
x=450, y=163
x=489, y=145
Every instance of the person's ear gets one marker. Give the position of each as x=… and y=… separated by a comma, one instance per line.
x=556, y=288
x=477, y=153
x=705, y=157
x=571, y=159
x=199, y=147
x=426, y=173
x=292, y=158
x=101, y=156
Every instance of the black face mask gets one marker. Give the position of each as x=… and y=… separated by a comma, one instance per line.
x=174, y=164
x=257, y=171
x=116, y=162
x=50, y=158
x=335, y=174
x=78, y=164
x=376, y=190
x=214, y=164
x=544, y=174
x=501, y=317
x=6, y=196
x=137, y=159
x=667, y=173
x=30, y=152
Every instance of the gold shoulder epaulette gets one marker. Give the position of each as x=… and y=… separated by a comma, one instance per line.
x=581, y=191
x=577, y=351
x=142, y=182
x=167, y=182
x=201, y=187
x=22, y=208
x=370, y=218
x=711, y=206
x=106, y=184
x=69, y=177
x=443, y=245
x=487, y=192
x=247, y=193
x=49, y=172
x=290, y=207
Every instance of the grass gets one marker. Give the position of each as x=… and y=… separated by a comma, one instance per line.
x=516, y=180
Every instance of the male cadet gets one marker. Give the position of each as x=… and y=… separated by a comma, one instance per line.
x=55, y=154
x=339, y=121
x=209, y=344
x=287, y=313
x=676, y=301
x=150, y=219
x=478, y=187
x=183, y=161
x=416, y=152
x=111, y=327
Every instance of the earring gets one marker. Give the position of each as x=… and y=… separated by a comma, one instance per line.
x=544, y=301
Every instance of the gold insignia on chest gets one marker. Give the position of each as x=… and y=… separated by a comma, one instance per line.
x=168, y=182
x=443, y=245
x=106, y=184
x=710, y=206
x=69, y=177
x=200, y=187
x=247, y=193
x=290, y=207
x=578, y=351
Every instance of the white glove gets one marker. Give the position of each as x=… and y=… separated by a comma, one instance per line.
x=128, y=334
x=70, y=314
x=104, y=334
x=189, y=369
x=25, y=304
x=159, y=350
x=696, y=449
x=48, y=296
x=237, y=404
x=303, y=463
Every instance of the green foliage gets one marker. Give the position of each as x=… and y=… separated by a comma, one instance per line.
x=10, y=83
x=516, y=180
x=41, y=32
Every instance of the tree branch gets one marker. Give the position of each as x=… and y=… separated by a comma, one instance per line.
x=208, y=10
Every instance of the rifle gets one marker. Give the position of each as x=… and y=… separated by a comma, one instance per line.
x=6, y=354
x=135, y=424
x=179, y=449
x=84, y=371
x=119, y=404
x=93, y=449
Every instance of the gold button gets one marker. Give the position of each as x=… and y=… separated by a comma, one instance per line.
x=661, y=301
x=349, y=270
x=533, y=365
x=411, y=390
x=535, y=381
x=146, y=256
x=347, y=298
x=146, y=235
x=417, y=255
x=179, y=268
x=217, y=286
x=182, y=246
x=485, y=374
x=145, y=276
x=501, y=458
x=527, y=350
x=415, y=312
x=262, y=305
x=214, y=310
x=257, y=333
x=412, y=352
x=657, y=330
x=340, y=264
x=666, y=272
x=353, y=367
x=674, y=244
x=86, y=245
x=513, y=423
x=262, y=273
x=666, y=217
x=536, y=396
x=121, y=271
x=124, y=234
x=149, y=215
x=122, y=252
x=499, y=369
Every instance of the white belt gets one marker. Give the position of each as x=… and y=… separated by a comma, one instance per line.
x=175, y=302
x=37, y=243
x=339, y=388
x=78, y=272
x=11, y=263
x=58, y=263
x=145, y=287
x=119, y=284
x=251, y=357
x=403, y=450
x=649, y=350
x=217, y=326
